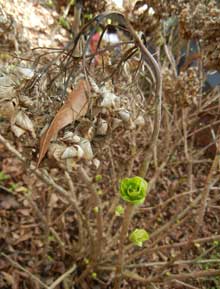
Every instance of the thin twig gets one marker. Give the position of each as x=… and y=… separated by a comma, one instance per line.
x=165, y=279
x=186, y=285
x=205, y=194
x=178, y=262
x=73, y=191
x=162, y=263
x=62, y=277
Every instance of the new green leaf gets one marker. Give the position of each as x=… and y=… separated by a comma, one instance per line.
x=133, y=190
x=138, y=236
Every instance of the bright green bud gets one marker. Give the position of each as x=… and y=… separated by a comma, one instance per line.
x=96, y=210
x=51, y=238
x=63, y=22
x=98, y=178
x=138, y=236
x=133, y=190
x=119, y=210
x=99, y=192
x=216, y=243
x=50, y=258
x=94, y=275
x=86, y=261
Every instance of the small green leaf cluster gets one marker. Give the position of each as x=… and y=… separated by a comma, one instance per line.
x=138, y=236
x=3, y=176
x=98, y=178
x=64, y=22
x=119, y=210
x=133, y=190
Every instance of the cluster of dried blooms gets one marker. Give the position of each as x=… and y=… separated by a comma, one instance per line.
x=7, y=30
x=191, y=21
x=168, y=8
x=94, y=6
x=198, y=20
x=89, y=7
x=203, y=23
x=211, y=37
x=183, y=89
x=6, y=22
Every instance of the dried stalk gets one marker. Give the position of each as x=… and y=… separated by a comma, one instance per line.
x=62, y=277
x=178, y=262
x=186, y=285
x=205, y=193
x=99, y=215
x=162, y=263
x=167, y=279
x=124, y=230
x=73, y=191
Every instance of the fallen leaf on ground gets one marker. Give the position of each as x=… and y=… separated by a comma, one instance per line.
x=74, y=107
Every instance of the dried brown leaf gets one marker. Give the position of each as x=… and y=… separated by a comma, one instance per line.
x=74, y=107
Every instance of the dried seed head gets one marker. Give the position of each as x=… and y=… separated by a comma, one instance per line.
x=102, y=127
x=24, y=122
x=55, y=151
x=139, y=121
x=69, y=152
x=87, y=149
x=26, y=101
x=68, y=137
x=18, y=132
x=96, y=163
x=80, y=152
x=108, y=98
x=124, y=115
x=116, y=122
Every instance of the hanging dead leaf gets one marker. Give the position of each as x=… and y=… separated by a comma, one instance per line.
x=74, y=107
